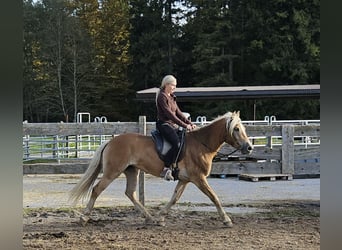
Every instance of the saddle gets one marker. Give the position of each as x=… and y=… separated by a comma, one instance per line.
x=163, y=146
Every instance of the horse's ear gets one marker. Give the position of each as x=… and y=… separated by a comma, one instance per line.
x=238, y=113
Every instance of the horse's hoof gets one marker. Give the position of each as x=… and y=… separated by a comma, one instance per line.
x=84, y=220
x=161, y=221
x=149, y=221
x=86, y=211
x=228, y=224
x=162, y=213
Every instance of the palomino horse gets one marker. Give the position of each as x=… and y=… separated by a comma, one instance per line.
x=129, y=153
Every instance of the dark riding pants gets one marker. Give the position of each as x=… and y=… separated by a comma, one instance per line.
x=170, y=134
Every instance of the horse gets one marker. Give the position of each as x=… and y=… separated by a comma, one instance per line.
x=131, y=153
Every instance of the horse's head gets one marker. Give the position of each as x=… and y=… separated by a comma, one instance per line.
x=236, y=133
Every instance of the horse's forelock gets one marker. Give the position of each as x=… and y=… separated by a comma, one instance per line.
x=232, y=119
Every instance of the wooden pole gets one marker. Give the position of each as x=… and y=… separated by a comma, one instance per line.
x=287, y=150
x=142, y=130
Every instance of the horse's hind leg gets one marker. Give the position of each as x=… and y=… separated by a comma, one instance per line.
x=110, y=173
x=96, y=191
x=131, y=186
x=175, y=197
x=204, y=186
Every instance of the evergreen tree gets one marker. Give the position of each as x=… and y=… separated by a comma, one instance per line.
x=110, y=35
x=91, y=56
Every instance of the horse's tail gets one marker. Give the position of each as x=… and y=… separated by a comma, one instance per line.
x=83, y=188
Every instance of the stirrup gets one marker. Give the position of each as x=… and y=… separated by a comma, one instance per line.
x=167, y=174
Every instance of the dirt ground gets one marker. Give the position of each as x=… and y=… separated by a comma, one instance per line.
x=280, y=225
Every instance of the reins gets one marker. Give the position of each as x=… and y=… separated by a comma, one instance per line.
x=226, y=155
x=219, y=153
x=181, y=145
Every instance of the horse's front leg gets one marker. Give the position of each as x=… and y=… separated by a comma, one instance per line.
x=204, y=186
x=175, y=197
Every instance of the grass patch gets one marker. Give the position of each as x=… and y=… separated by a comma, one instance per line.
x=40, y=161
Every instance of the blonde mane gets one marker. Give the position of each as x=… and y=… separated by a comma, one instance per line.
x=232, y=119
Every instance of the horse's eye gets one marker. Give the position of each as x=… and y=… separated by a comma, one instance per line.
x=236, y=129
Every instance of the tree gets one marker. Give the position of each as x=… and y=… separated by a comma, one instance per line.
x=38, y=86
x=53, y=36
x=148, y=43
x=81, y=48
x=78, y=67
x=91, y=56
x=111, y=42
x=270, y=42
x=280, y=42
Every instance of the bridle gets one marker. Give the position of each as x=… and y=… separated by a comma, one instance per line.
x=218, y=153
x=226, y=155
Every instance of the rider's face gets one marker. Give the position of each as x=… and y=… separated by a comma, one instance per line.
x=170, y=87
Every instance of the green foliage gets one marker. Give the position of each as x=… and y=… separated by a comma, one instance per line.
x=212, y=49
x=92, y=56
x=152, y=43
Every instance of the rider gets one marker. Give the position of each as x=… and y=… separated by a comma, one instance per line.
x=169, y=119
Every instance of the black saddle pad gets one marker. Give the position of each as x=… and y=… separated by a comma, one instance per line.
x=162, y=145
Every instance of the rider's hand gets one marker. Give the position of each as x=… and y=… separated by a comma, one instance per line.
x=190, y=127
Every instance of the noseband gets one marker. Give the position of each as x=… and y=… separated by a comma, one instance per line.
x=218, y=153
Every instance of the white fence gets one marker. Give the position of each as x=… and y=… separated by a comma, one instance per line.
x=55, y=146
x=276, y=140
x=64, y=147
x=61, y=147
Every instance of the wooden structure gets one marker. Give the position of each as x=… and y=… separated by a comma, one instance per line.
x=236, y=92
x=268, y=159
x=265, y=159
x=270, y=177
x=286, y=157
x=228, y=93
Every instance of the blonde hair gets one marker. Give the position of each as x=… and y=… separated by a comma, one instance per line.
x=166, y=80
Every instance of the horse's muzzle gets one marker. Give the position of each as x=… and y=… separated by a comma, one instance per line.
x=247, y=148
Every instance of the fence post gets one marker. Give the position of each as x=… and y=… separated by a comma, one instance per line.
x=142, y=130
x=27, y=147
x=54, y=147
x=287, y=150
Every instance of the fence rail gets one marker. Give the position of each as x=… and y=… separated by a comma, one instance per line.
x=61, y=147
x=280, y=147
